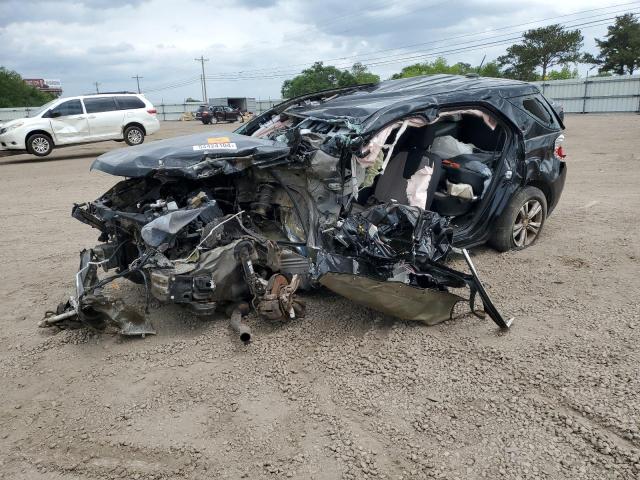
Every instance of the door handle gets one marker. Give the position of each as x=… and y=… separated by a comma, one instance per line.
x=79, y=118
x=92, y=116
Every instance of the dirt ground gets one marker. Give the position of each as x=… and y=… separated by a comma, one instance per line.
x=345, y=392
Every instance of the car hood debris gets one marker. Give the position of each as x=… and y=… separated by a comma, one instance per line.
x=192, y=156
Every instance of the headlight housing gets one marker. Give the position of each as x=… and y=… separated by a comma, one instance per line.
x=11, y=127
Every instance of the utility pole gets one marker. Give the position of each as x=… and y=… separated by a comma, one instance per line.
x=204, y=80
x=482, y=62
x=586, y=86
x=96, y=84
x=138, y=77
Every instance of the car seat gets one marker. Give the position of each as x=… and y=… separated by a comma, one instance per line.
x=470, y=169
x=411, y=157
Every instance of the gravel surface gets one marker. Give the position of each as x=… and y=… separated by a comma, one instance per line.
x=345, y=392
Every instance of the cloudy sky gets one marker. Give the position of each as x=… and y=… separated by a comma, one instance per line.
x=253, y=45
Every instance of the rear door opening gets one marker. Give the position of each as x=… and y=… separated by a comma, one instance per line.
x=448, y=166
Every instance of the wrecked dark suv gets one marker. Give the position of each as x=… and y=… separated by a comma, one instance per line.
x=363, y=190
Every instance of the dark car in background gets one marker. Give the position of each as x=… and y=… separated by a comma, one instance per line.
x=219, y=113
x=198, y=113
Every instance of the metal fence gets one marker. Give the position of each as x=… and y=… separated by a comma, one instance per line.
x=7, y=114
x=580, y=95
x=595, y=94
x=174, y=111
x=264, y=105
x=166, y=111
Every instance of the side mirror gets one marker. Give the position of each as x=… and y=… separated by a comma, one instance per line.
x=54, y=114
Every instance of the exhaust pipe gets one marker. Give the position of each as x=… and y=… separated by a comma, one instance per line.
x=238, y=325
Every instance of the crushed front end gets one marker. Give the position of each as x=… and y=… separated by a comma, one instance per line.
x=237, y=223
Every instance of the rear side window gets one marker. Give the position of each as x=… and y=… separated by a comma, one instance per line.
x=97, y=105
x=71, y=107
x=129, y=103
x=535, y=108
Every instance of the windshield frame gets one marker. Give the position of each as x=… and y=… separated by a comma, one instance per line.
x=43, y=108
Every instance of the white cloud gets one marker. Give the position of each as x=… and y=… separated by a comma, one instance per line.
x=109, y=41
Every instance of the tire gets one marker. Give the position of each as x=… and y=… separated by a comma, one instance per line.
x=133, y=135
x=39, y=144
x=521, y=222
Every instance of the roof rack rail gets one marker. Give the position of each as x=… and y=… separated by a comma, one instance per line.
x=110, y=93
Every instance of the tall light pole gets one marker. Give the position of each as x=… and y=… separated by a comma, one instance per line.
x=96, y=84
x=138, y=77
x=204, y=81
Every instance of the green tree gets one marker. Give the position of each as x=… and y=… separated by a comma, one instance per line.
x=322, y=77
x=362, y=75
x=620, y=49
x=490, y=69
x=541, y=48
x=15, y=93
x=440, y=65
x=565, y=73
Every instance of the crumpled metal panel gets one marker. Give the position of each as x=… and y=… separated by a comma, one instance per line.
x=371, y=107
x=192, y=156
x=395, y=299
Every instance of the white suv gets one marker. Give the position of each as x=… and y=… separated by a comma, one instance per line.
x=73, y=120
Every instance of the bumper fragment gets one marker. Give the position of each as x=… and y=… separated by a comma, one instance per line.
x=93, y=308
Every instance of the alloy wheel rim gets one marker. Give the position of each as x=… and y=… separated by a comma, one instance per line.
x=134, y=136
x=40, y=145
x=528, y=223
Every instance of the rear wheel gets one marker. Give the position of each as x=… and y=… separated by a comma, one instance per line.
x=39, y=144
x=133, y=135
x=521, y=222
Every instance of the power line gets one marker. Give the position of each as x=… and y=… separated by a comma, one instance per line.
x=280, y=69
x=585, y=25
x=177, y=84
x=278, y=72
x=400, y=60
x=138, y=77
x=385, y=60
x=508, y=27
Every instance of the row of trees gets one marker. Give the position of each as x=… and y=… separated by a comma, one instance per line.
x=15, y=93
x=548, y=53
x=320, y=77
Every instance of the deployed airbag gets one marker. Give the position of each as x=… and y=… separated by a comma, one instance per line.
x=449, y=147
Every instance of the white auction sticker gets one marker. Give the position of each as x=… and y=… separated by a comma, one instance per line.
x=216, y=146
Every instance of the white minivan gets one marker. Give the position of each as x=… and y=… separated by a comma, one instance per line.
x=84, y=119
